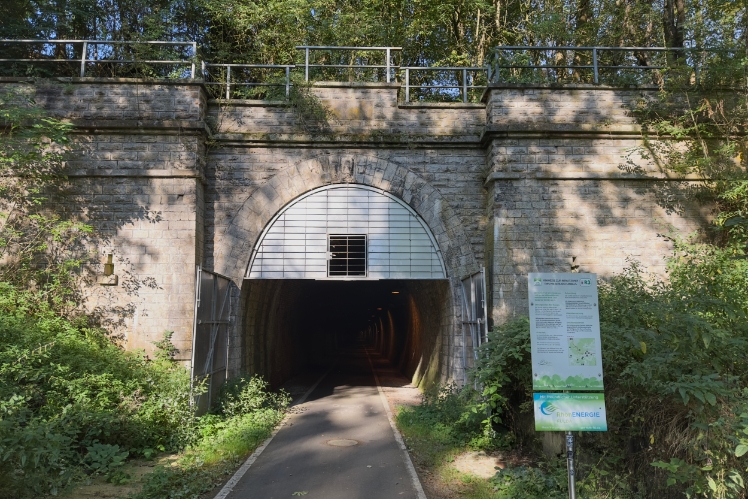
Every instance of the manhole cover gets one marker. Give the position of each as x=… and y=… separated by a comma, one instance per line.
x=342, y=442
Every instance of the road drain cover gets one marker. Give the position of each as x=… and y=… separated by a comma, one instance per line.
x=342, y=442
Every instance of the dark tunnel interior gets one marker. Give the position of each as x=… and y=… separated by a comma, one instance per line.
x=292, y=325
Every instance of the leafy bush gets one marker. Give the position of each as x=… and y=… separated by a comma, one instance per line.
x=531, y=483
x=447, y=422
x=676, y=376
x=246, y=396
x=72, y=403
x=67, y=395
x=247, y=414
x=108, y=460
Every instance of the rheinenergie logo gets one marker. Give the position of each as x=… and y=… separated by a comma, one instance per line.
x=547, y=408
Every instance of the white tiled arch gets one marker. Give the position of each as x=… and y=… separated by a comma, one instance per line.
x=294, y=243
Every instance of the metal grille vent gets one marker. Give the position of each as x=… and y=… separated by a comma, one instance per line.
x=347, y=256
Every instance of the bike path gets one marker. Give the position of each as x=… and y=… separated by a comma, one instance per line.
x=337, y=444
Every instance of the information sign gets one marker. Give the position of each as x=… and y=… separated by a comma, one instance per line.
x=570, y=412
x=565, y=332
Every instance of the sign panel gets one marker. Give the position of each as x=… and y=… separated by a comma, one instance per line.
x=565, y=332
x=570, y=412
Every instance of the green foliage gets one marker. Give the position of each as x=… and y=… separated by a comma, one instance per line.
x=531, y=483
x=38, y=250
x=445, y=423
x=675, y=375
x=247, y=396
x=431, y=33
x=71, y=401
x=503, y=370
x=107, y=460
x=70, y=398
x=248, y=414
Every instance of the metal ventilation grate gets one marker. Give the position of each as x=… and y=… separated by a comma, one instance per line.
x=347, y=255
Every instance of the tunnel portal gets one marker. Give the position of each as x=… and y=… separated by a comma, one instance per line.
x=338, y=266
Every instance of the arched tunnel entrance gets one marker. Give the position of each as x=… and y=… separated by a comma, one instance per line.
x=293, y=325
x=344, y=266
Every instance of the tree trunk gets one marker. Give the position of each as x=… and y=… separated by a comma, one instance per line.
x=673, y=20
x=583, y=36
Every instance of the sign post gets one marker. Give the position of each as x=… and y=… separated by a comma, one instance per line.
x=566, y=355
x=570, y=465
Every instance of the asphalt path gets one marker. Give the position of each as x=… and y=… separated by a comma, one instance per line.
x=338, y=444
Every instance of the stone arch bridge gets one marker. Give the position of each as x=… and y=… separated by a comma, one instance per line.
x=532, y=178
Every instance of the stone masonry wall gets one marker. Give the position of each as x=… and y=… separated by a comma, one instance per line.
x=568, y=188
x=135, y=171
x=533, y=179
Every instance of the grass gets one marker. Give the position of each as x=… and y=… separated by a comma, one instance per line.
x=205, y=465
x=437, y=432
x=434, y=448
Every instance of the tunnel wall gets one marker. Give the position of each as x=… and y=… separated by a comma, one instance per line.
x=269, y=344
x=534, y=179
x=427, y=345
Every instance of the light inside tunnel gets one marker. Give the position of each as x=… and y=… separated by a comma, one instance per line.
x=290, y=325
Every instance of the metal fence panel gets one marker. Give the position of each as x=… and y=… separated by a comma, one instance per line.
x=210, y=337
x=474, y=316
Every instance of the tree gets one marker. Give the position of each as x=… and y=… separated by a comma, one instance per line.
x=36, y=246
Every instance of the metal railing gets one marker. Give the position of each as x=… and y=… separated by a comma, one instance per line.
x=87, y=56
x=357, y=62
x=457, y=78
x=520, y=64
x=246, y=71
x=600, y=64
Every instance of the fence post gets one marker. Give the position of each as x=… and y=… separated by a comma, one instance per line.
x=464, y=86
x=497, y=69
x=288, y=81
x=594, y=65
x=407, y=84
x=388, y=64
x=83, y=59
x=306, y=63
x=194, y=56
x=202, y=69
x=228, y=82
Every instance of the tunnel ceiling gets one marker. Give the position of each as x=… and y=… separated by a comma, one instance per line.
x=347, y=232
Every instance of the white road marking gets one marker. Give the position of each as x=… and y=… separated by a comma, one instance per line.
x=226, y=490
x=406, y=457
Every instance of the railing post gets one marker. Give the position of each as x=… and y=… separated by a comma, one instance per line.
x=228, y=82
x=288, y=81
x=202, y=69
x=464, y=86
x=83, y=59
x=407, y=84
x=194, y=56
x=497, y=68
x=594, y=66
x=388, y=64
x=306, y=63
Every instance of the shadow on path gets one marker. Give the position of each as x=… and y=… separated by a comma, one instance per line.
x=338, y=443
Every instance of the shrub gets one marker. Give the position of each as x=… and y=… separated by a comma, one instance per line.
x=676, y=377
x=66, y=393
